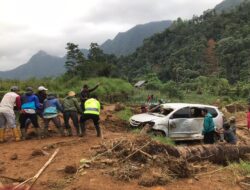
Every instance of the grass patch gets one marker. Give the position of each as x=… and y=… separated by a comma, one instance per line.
x=124, y=114
x=164, y=140
x=136, y=131
x=242, y=168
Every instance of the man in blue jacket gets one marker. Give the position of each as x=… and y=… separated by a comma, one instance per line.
x=51, y=108
x=208, y=127
x=29, y=105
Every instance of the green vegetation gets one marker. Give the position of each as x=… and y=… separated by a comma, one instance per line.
x=109, y=89
x=213, y=46
x=198, y=60
x=125, y=114
x=228, y=5
x=96, y=64
x=164, y=140
x=243, y=168
x=136, y=131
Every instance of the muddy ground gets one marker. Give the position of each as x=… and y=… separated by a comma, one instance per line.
x=22, y=160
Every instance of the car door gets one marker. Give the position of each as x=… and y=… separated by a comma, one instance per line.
x=180, y=124
x=196, y=120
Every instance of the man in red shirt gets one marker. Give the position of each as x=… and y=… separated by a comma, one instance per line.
x=7, y=115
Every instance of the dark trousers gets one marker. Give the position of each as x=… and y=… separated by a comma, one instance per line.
x=25, y=116
x=209, y=138
x=73, y=116
x=95, y=118
x=55, y=120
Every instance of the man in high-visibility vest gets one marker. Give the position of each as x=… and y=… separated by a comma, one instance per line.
x=92, y=111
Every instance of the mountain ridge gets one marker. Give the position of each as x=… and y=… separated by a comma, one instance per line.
x=37, y=66
x=133, y=38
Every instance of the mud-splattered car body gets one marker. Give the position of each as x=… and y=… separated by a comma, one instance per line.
x=178, y=121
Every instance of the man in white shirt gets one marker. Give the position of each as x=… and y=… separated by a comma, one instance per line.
x=7, y=115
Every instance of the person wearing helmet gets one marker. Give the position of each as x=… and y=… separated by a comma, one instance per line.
x=7, y=115
x=29, y=105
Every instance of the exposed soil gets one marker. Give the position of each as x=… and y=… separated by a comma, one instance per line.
x=90, y=163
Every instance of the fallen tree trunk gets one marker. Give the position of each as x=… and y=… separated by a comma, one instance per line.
x=219, y=154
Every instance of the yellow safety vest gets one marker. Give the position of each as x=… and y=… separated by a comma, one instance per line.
x=92, y=106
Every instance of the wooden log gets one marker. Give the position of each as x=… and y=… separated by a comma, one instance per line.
x=34, y=178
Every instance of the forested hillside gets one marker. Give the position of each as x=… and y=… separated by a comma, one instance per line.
x=211, y=44
x=228, y=5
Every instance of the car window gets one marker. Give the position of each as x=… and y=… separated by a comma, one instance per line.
x=166, y=111
x=182, y=113
x=196, y=112
x=212, y=111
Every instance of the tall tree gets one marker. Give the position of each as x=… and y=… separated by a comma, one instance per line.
x=75, y=59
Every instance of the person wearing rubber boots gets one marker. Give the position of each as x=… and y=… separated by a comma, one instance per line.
x=70, y=108
x=29, y=105
x=91, y=112
x=85, y=93
x=7, y=114
x=51, y=108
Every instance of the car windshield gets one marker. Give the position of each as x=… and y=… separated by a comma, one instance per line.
x=161, y=112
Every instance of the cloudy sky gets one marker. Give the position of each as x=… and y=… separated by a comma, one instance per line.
x=27, y=26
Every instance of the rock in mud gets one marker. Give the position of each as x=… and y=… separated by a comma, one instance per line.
x=37, y=153
x=70, y=169
x=14, y=156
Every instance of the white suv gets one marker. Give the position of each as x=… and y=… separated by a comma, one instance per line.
x=179, y=121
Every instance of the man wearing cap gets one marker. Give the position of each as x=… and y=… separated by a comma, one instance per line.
x=42, y=95
x=70, y=108
x=92, y=112
x=7, y=115
x=29, y=105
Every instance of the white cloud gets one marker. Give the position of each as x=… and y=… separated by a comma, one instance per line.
x=27, y=26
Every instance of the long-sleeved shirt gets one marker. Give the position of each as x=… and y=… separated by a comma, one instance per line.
x=52, y=102
x=208, y=124
x=71, y=104
x=84, y=95
x=30, y=102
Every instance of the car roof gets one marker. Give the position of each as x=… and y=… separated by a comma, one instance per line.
x=175, y=106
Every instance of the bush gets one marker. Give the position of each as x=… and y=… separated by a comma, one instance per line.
x=125, y=114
